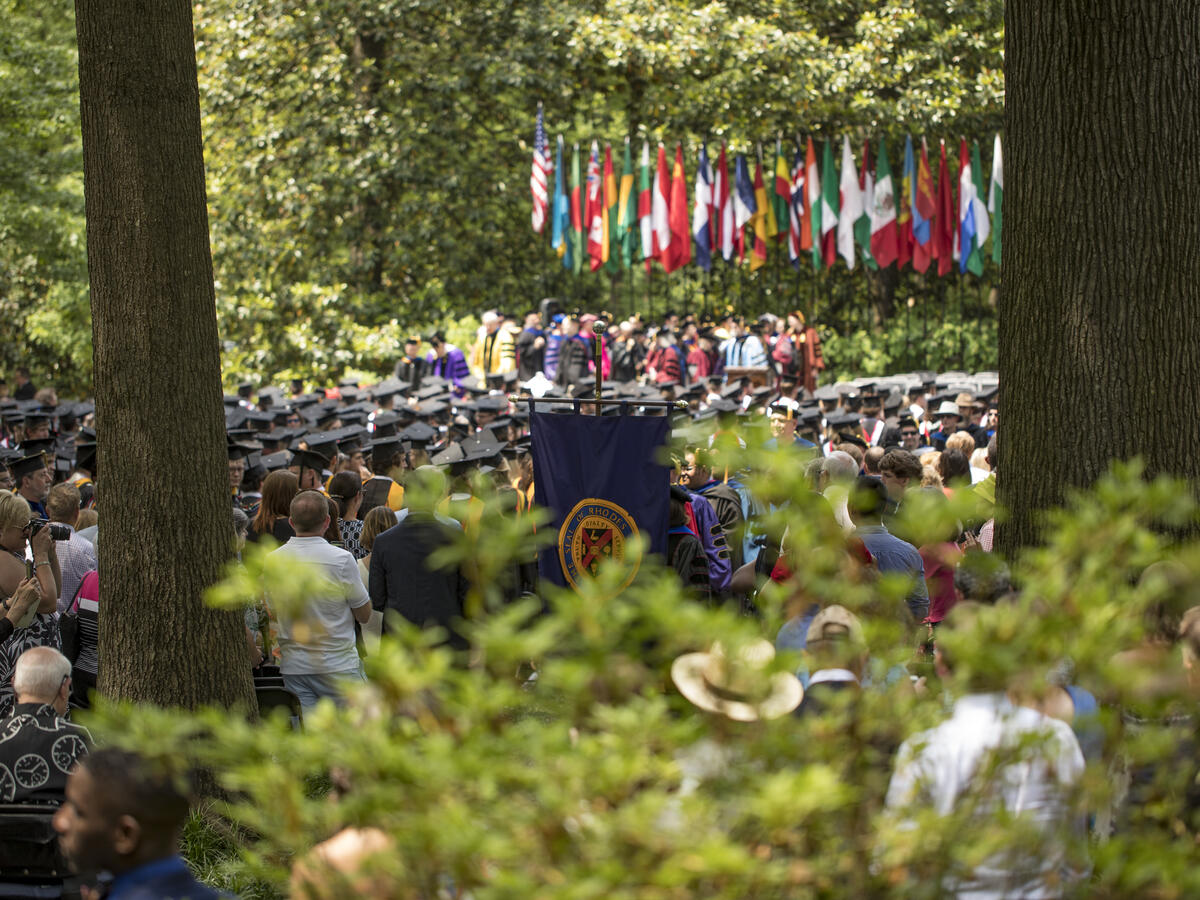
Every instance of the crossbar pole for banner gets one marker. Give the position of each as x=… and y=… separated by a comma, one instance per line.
x=648, y=404
x=597, y=344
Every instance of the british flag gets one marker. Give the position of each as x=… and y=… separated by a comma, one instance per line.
x=540, y=176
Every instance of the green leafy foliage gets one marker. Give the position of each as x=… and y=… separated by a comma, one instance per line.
x=368, y=162
x=599, y=779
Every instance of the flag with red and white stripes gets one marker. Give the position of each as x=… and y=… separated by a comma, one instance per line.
x=540, y=176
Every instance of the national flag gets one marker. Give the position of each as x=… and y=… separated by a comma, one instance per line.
x=995, y=202
x=810, y=226
x=782, y=197
x=578, y=248
x=702, y=211
x=924, y=209
x=660, y=197
x=883, y=212
x=796, y=223
x=611, y=211
x=829, y=206
x=645, y=207
x=681, y=238
x=722, y=209
x=851, y=205
x=968, y=224
x=600, y=478
x=946, y=222
x=594, y=213
x=744, y=204
x=627, y=206
x=759, y=221
x=538, y=177
x=560, y=216
x=862, y=223
x=904, y=236
x=982, y=224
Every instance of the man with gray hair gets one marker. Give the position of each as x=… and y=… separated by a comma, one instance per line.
x=39, y=747
x=838, y=472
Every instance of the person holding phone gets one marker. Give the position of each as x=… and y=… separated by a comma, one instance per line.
x=28, y=562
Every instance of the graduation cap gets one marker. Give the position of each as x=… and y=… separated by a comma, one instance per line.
x=500, y=428
x=471, y=384
x=38, y=445
x=494, y=404
x=419, y=434
x=85, y=456
x=732, y=390
x=386, y=423
x=389, y=387
x=27, y=465
x=844, y=420
x=348, y=440
x=272, y=462
x=384, y=448
x=321, y=416
x=239, y=450
x=847, y=437
x=721, y=405
x=452, y=453
x=309, y=459
x=431, y=409
x=38, y=415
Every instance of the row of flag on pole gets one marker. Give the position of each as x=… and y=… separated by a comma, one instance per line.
x=603, y=221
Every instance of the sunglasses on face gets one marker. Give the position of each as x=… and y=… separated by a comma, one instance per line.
x=908, y=434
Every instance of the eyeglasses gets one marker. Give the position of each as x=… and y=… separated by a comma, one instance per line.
x=908, y=434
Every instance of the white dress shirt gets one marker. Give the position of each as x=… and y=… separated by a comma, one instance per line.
x=951, y=763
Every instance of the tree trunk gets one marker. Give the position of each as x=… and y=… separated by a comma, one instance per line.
x=1099, y=347
x=163, y=484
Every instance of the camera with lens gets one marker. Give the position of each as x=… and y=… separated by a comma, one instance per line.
x=58, y=531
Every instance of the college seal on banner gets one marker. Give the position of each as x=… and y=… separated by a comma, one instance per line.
x=595, y=531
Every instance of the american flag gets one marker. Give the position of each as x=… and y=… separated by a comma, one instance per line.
x=539, y=178
x=796, y=209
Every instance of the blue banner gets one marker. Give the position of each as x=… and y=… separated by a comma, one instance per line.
x=601, y=481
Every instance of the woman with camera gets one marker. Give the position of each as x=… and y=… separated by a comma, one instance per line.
x=36, y=625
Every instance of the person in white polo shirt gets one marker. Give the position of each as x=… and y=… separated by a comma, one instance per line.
x=316, y=643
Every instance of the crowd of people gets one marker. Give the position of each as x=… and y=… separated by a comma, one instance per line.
x=367, y=482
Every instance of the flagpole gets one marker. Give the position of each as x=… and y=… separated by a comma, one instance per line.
x=598, y=332
x=960, y=320
x=925, y=327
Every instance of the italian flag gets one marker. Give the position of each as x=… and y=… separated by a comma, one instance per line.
x=884, y=239
x=829, y=207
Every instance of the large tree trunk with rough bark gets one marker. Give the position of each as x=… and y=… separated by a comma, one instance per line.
x=163, y=489
x=1100, y=309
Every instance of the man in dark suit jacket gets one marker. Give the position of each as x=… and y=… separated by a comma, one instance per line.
x=402, y=579
x=124, y=818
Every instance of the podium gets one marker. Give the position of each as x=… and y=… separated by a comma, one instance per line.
x=759, y=376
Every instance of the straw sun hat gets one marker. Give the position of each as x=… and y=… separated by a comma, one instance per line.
x=737, y=685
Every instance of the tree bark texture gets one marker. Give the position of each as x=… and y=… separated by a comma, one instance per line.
x=1100, y=305
x=163, y=491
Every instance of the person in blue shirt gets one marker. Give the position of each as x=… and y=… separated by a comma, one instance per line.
x=122, y=820
x=867, y=504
